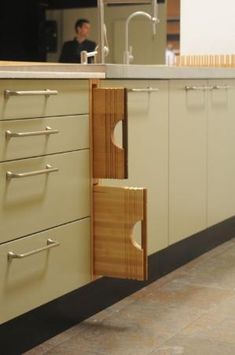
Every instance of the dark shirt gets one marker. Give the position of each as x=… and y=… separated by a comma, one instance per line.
x=71, y=51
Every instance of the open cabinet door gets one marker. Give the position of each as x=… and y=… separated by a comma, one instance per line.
x=116, y=211
x=109, y=106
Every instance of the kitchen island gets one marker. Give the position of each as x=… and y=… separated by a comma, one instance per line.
x=180, y=142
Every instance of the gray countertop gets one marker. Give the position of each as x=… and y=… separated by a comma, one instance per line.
x=20, y=70
x=113, y=71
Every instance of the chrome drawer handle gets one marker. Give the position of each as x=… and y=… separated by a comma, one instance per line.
x=50, y=244
x=223, y=87
x=148, y=89
x=49, y=169
x=47, y=132
x=199, y=88
x=46, y=92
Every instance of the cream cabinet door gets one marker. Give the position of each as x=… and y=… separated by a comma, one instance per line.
x=221, y=151
x=187, y=158
x=147, y=152
x=33, y=202
x=41, y=275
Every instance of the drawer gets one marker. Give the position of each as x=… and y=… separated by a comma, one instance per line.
x=31, y=204
x=28, y=282
x=40, y=136
x=27, y=98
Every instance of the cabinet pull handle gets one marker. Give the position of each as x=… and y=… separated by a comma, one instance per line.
x=148, y=89
x=50, y=244
x=46, y=92
x=223, y=87
x=199, y=88
x=49, y=169
x=46, y=132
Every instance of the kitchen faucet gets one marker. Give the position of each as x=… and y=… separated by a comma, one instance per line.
x=103, y=42
x=85, y=55
x=128, y=57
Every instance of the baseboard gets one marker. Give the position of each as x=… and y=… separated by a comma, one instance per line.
x=31, y=329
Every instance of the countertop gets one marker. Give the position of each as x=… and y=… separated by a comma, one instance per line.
x=113, y=71
x=33, y=70
x=24, y=70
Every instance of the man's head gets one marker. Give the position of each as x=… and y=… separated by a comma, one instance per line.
x=82, y=28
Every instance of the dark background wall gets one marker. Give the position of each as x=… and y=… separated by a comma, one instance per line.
x=24, y=30
x=20, y=27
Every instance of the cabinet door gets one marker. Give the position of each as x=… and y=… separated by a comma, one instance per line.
x=187, y=158
x=148, y=151
x=109, y=106
x=221, y=151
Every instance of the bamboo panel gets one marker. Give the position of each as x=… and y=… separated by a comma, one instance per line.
x=109, y=106
x=223, y=60
x=116, y=211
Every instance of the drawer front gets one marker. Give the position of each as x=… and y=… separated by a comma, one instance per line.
x=33, y=280
x=31, y=204
x=40, y=136
x=27, y=98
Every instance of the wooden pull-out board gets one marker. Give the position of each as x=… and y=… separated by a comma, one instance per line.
x=109, y=106
x=116, y=211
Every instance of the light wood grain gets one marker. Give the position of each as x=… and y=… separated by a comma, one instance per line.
x=116, y=211
x=109, y=106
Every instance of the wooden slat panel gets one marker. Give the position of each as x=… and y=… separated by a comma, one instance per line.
x=108, y=108
x=116, y=253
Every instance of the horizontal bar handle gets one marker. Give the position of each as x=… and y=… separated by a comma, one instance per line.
x=148, y=89
x=46, y=132
x=223, y=87
x=46, y=92
x=49, y=169
x=50, y=244
x=199, y=88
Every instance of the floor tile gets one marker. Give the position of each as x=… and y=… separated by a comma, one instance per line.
x=189, y=311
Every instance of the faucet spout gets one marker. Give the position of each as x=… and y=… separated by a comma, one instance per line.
x=128, y=57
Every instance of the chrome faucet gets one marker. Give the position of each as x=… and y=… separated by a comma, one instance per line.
x=103, y=42
x=128, y=57
x=85, y=55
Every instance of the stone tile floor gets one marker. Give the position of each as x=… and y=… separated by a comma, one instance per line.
x=190, y=311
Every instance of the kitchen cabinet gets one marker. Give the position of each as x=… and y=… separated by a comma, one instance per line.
x=147, y=151
x=181, y=142
x=187, y=158
x=45, y=207
x=221, y=138
x=50, y=211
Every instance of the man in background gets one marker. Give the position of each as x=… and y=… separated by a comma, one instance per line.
x=71, y=51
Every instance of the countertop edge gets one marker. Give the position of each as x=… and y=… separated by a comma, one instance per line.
x=114, y=71
x=50, y=75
